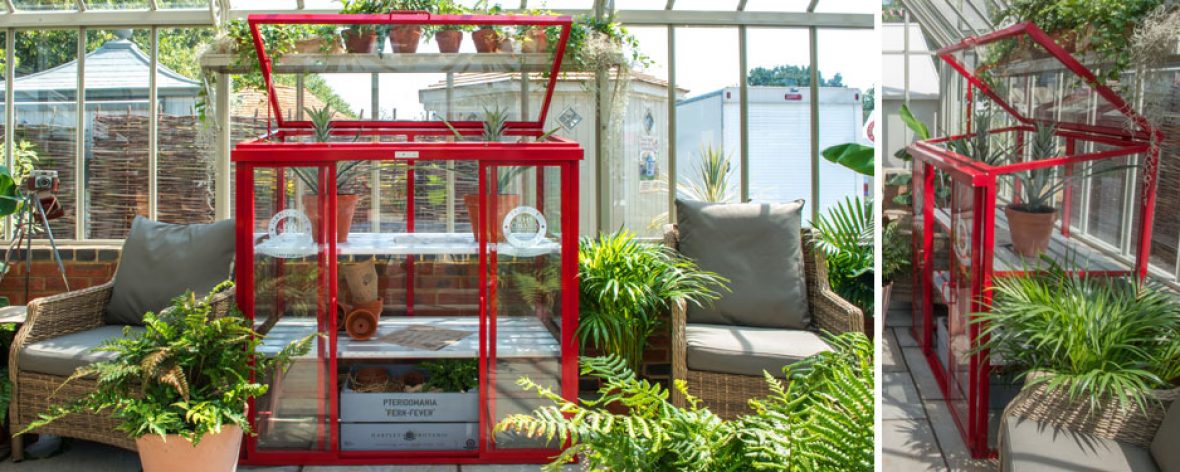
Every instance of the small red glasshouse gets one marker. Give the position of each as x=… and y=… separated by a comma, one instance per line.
x=437, y=256
x=964, y=235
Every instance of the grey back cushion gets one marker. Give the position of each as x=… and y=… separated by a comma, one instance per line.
x=161, y=261
x=757, y=246
x=1165, y=448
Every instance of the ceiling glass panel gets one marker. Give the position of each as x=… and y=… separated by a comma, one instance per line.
x=777, y=5
x=255, y=5
x=44, y=5
x=117, y=4
x=848, y=6
x=560, y=4
x=641, y=4
x=179, y=4
x=321, y=4
x=705, y=5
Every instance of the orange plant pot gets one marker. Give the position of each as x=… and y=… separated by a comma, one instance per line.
x=404, y=38
x=345, y=209
x=217, y=452
x=1030, y=231
x=449, y=40
x=504, y=204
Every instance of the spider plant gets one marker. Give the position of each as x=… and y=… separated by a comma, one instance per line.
x=1094, y=338
x=710, y=178
x=845, y=235
x=627, y=288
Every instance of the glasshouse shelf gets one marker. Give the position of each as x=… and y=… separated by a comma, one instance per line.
x=399, y=244
x=1068, y=252
x=386, y=63
x=517, y=337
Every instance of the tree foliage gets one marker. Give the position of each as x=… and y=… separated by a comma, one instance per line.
x=789, y=76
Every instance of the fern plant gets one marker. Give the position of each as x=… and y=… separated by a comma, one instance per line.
x=186, y=374
x=821, y=420
x=451, y=375
x=627, y=287
x=844, y=234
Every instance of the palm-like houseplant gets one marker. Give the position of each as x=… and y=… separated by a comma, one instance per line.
x=186, y=378
x=845, y=236
x=346, y=173
x=821, y=420
x=1091, y=346
x=626, y=289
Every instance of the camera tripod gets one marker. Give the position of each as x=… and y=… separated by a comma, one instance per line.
x=34, y=216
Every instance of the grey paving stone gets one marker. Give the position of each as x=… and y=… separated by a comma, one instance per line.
x=499, y=468
x=953, y=449
x=908, y=445
x=270, y=468
x=905, y=337
x=920, y=370
x=899, y=398
x=891, y=360
x=382, y=468
x=899, y=317
x=80, y=455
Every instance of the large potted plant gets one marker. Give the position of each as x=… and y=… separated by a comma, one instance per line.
x=449, y=37
x=180, y=388
x=627, y=288
x=1101, y=352
x=361, y=38
x=321, y=120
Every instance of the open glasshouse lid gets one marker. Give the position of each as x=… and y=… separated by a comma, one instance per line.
x=1031, y=76
x=401, y=68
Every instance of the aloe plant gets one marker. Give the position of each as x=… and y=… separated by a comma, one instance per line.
x=321, y=122
x=1039, y=187
x=979, y=145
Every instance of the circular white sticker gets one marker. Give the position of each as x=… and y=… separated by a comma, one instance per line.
x=290, y=236
x=524, y=227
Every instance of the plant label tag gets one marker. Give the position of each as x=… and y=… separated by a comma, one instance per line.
x=405, y=154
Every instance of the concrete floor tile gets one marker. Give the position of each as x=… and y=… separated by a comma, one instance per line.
x=382, y=468
x=899, y=397
x=908, y=445
x=920, y=370
x=898, y=317
x=270, y=468
x=80, y=455
x=905, y=337
x=951, y=440
x=499, y=468
x=891, y=359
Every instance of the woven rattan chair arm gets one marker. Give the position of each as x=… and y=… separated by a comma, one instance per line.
x=831, y=313
x=679, y=348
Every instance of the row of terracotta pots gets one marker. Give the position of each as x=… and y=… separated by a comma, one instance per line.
x=405, y=39
x=346, y=208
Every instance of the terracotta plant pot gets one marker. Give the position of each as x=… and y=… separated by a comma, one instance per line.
x=534, y=41
x=345, y=209
x=317, y=46
x=486, y=40
x=505, y=45
x=504, y=204
x=404, y=38
x=1030, y=231
x=360, y=43
x=449, y=40
x=173, y=453
x=361, y=323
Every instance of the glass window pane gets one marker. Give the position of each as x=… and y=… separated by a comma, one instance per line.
x=852, y=73
x=178, y=4
x=185, y=155
x=780, y=114
x=706, y=5
x=46, y=113
x=45, y=5
x=848, y=6
x=707, y=118
x=777, y=5
x=117, y=4
x=117, y=78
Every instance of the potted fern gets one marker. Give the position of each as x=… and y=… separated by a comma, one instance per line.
x=321, y=121
x=180, y=388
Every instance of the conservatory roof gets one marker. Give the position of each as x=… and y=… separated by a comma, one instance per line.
x=116, y=65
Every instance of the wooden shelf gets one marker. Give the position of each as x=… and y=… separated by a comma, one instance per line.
x=389, y=62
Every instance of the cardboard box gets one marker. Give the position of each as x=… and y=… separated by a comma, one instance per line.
x=409, y=436
x=357, y=407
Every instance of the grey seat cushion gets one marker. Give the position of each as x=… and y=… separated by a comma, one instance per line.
x=1165, y=447
x=758, y=248
x=748, y=351
x=161, y=261
x=63, y=354
x=1032, y=446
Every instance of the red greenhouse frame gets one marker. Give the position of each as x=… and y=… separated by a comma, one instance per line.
x=425, y=141
x=960, y=275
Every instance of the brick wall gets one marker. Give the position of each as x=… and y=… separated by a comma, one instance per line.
x=85, y=267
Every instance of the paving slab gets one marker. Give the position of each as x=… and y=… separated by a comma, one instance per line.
x=79, y=455
x=899, y=317
x=891, y=360
x=951, y=441
x=899, y=398
x=382, y=468
x=905, y=337
x=909, y=445
x=920, y=370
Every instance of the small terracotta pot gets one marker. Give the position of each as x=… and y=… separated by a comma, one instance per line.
x=534, y=41
x=486, y=40
x=504, y=204
x=361, y=323
x=404, y=38
x=345, y=209
x=173, y=453
x=1030, y=231
x=360, y=43
x=449, y=40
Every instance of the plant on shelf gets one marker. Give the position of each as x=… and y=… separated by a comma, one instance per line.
x=628, y=287
x=451, y=375
x=490, y=38
x=346, y=173
x=362, y=38
x=185, y=378
x=405, y=37
x=449, y=37
x=1101, y=344
x=844, y=233
x=821, y=420
x=534, y=39
x=596, y=43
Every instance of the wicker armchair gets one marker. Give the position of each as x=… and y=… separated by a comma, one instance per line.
x=33, y=392
x=727, y=394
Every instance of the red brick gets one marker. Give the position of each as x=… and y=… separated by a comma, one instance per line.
x=89, y=270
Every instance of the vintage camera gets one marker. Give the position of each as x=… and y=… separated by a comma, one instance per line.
x=42, y=180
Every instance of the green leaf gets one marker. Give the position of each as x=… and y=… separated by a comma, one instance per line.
x=858, y=157
x=918, y=127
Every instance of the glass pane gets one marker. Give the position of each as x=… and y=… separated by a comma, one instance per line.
x=46, y=113
x=848, y=6
x=526, y=283
x=844, y=106
x=780, y=117
x=290, y=295
x=185, y=156
x=777, y=5
x=117, y=81
x=707, y=119
x=117, y=4
x=178, y=4
x=69, y=5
